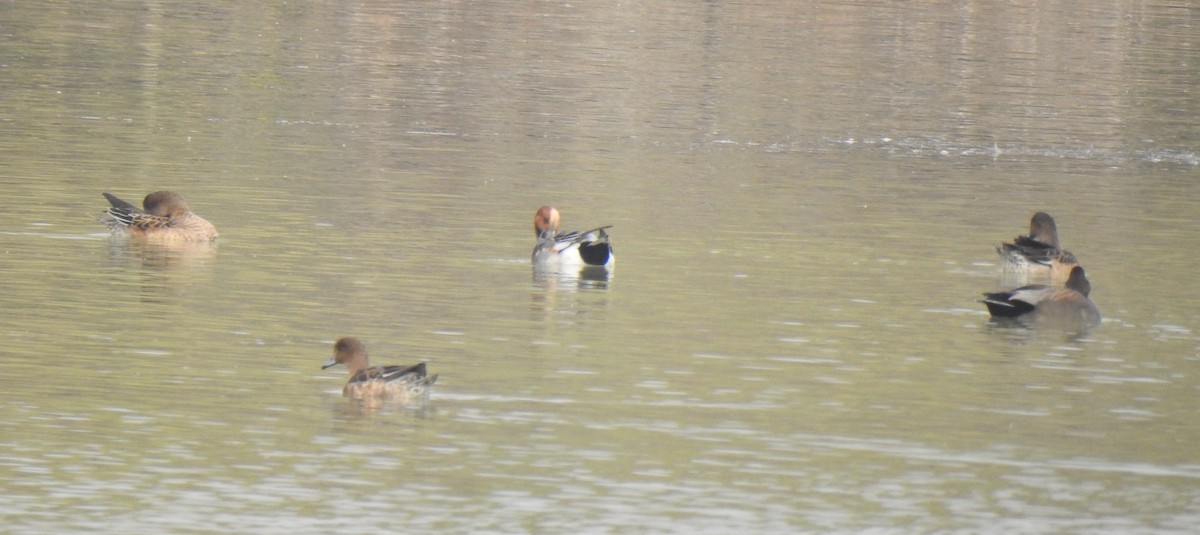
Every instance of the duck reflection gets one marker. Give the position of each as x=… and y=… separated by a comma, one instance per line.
x=183, y=256
x=558, y=290
x=365, y=410
x=173, y=267
x=588, y=277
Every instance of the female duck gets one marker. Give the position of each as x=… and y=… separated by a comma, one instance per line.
x=1039, y=302
x=403, y=383
x=571, y=249
x=164, y=217
x=1038, y=254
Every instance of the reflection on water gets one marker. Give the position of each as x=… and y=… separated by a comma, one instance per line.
x=812, y=193
x=187, y=258
x=586, y=277
x=1014, y=330
x=174, y=267
x=568, y=292
x=370, y=410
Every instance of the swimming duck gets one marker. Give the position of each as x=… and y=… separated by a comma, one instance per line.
x=403, y=383
x=1040, y=302
x=164, y=217
x=1038, y=254
x=571, y=249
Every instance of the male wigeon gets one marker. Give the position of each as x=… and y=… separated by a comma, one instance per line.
x=1039, y=302
x=164, y=216
x=403, y=383
x=1038, y=254
x=570, y=249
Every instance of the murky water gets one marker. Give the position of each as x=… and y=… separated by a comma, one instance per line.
x=805, y=198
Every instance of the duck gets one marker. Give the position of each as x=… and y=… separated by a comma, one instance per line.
x=571, y=249
x=1041, y=302
x=402, y=383
x=163, y=217
x=1039, y=254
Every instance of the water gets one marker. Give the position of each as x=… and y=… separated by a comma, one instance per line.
x=805, y=199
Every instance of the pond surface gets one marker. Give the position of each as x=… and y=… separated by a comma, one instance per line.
x=805, y=200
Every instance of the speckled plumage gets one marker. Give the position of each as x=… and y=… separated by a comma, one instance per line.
x=164, y=217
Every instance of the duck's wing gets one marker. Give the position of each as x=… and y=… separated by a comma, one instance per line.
x=120, y=204
x=414, y=374
x=1030, y=250
x=594, y=246
x=583, y=236
x=127, y=215
x=139, y=220
x=1015, y=302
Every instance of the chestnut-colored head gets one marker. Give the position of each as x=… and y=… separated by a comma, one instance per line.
x=350, y=352
x=545, y=220
x=165, y=204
